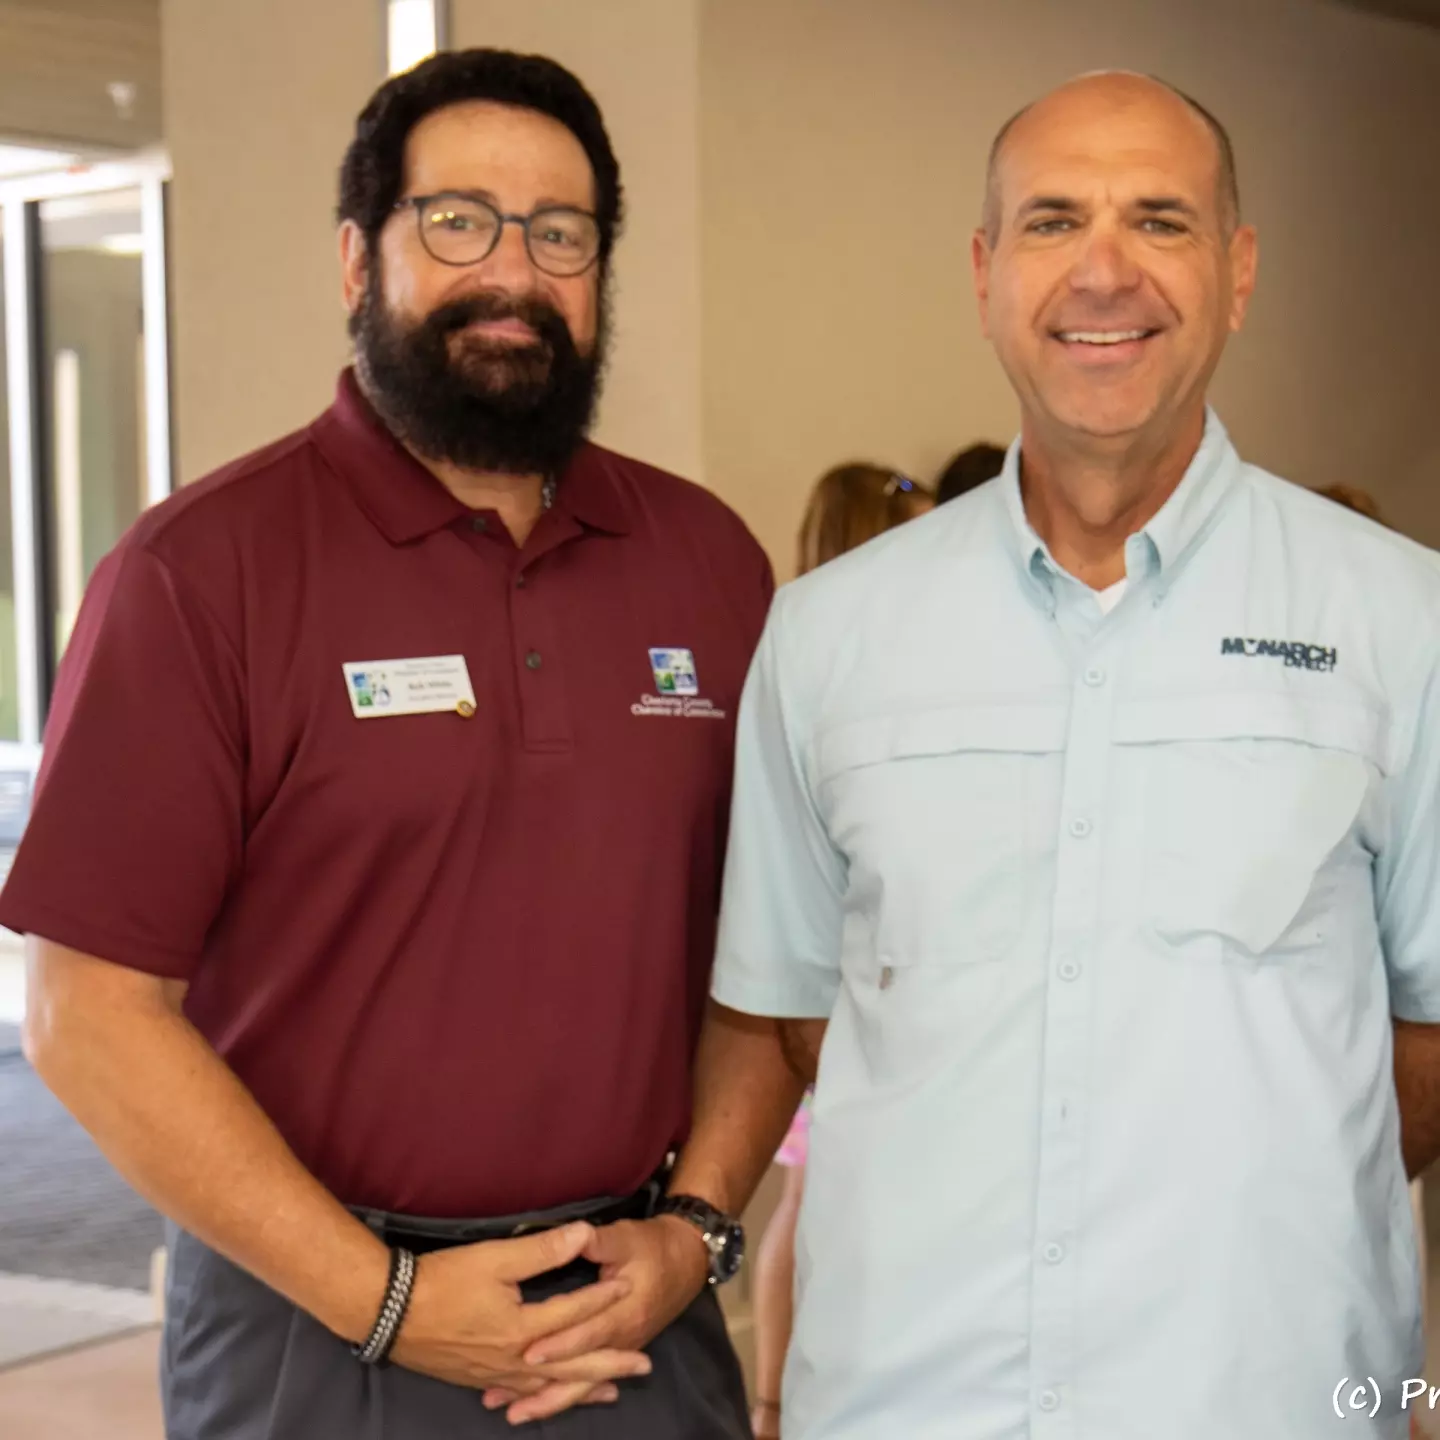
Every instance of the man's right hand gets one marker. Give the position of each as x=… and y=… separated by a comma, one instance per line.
x=468, y=1325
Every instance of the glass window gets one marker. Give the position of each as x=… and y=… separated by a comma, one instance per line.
x=9, y=698
x=92, y=324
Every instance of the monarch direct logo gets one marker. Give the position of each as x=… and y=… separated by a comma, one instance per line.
x=1295, y=655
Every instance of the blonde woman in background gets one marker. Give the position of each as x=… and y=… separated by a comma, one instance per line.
x=852, y=504
x=849, y=505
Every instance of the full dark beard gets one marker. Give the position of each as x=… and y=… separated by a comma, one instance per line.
x=478, y=403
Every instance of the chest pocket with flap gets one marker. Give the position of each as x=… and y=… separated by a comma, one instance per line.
x=1252, y=803
x=928, y=808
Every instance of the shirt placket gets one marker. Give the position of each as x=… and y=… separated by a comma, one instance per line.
x=1071, y=965
x=536, y=656
x=535, y=629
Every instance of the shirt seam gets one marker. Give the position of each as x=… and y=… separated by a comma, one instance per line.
x=36, y=917
x=182, y=584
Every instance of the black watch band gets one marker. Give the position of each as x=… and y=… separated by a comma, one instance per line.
x=724, y=1236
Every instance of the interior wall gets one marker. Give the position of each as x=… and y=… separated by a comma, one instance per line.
x=639, y=58
x=802, y=180
x=260, y=102
x=259, y=331
x=843, y=147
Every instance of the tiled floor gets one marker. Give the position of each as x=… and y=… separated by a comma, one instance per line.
x=12, y=978
x=39, y=1316
x=104, y=1393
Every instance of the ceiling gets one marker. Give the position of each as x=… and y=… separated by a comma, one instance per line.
x=81, y=72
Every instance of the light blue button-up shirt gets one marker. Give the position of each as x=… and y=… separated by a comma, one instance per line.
x=1110, y=914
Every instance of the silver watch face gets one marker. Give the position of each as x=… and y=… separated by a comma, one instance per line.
x=724, y=1238
x=727, y=1251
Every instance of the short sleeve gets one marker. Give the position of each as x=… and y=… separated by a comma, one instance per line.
x=1407, y=871
x=783, y=902
x=136, y=832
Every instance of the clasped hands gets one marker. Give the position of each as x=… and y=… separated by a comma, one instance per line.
x=468, y=1323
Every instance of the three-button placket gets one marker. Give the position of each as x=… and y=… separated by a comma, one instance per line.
x=1067, y=1060
x=544, y=714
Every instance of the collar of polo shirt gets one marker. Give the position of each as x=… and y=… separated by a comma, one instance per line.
x=406, y=502
x=1165, y=544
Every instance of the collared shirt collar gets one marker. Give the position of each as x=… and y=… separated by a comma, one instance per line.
x=407, y=502
x=1167, y=541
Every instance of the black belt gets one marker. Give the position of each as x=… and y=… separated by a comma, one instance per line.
x=419, y=1234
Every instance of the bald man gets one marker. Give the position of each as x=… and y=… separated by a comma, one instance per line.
x=1118, y=901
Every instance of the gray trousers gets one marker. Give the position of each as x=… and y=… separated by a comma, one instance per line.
x=239, y=1362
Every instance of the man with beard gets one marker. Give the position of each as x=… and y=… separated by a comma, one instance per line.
x=1119, y=896
x=372, y=880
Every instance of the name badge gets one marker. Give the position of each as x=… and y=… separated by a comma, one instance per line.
x=427, y=685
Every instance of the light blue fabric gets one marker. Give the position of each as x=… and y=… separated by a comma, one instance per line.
x=1109, y=914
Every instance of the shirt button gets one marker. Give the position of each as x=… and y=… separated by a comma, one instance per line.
x=1053, y=1253
x=520, y=582
x=1069, y=970
x=1048, y=1400
x=533, y=659
x=1094, y=676
x=1080, y=827
x=479, y=523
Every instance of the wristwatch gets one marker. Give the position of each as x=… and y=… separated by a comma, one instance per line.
x=724, y=1238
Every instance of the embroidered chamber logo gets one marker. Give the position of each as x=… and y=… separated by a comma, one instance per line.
x=677, y=689
x=1296, y=655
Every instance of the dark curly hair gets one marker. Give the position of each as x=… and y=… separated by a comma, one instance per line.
x=373, y=169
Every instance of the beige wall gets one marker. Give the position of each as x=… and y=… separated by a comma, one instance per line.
x=639, y=59
x=842, y=151
x=260, y=100
x=259, y=332
x=801, y=294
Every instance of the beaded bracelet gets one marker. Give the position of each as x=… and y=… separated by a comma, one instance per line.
x=392, y=1310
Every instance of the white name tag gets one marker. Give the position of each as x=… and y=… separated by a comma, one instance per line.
x=423, y=686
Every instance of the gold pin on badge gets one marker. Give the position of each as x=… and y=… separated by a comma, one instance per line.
x=465, y=709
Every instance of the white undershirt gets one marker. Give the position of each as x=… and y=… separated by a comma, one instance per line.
x=1109, y=598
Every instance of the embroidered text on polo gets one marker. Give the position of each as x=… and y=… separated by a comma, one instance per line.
x=1297, y=656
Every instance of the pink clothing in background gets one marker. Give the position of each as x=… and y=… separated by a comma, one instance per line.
x=796, y=1144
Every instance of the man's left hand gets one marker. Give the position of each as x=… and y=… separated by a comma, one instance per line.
x=666, y=1264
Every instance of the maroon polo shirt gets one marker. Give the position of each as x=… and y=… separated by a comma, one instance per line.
x=460, y=960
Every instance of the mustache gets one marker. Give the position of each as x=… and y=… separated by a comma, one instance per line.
x=485, y=305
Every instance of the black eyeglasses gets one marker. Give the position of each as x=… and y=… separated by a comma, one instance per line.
x=461, y=229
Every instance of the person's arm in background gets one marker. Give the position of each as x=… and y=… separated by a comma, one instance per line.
x=134, y=841
x=1417, y=1090
x=746, y=1094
